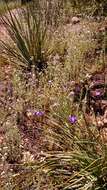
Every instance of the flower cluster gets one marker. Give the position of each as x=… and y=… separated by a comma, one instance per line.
x=72, y=119
x=39, y=113
x=34, y=113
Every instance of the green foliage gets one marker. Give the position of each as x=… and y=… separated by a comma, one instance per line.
x=31, y=31
x=79, y=160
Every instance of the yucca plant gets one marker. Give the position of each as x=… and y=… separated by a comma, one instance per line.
x=30, y=30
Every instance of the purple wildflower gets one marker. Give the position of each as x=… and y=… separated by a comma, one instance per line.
x=72, y=119
x=39, y=113
x=98, y=93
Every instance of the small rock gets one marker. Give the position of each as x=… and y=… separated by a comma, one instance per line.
x=75, y=20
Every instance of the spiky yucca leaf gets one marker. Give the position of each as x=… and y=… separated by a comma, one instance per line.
x=79, y=160
x=30, y=30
